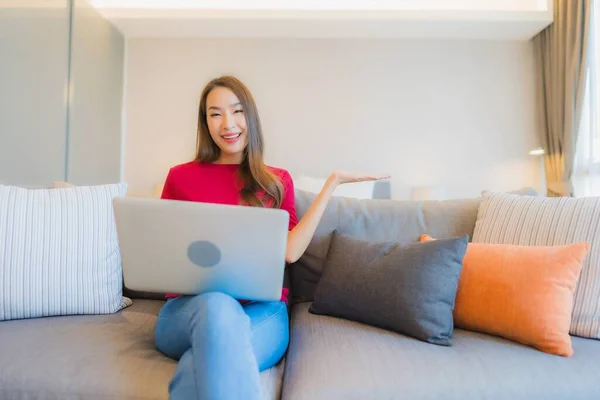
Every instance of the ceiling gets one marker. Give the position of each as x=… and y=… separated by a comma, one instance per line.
x=447, y=19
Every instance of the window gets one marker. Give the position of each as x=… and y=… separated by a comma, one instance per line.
x=593, y=101
x=587, y=158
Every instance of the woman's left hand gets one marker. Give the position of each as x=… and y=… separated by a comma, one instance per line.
x=341, y=177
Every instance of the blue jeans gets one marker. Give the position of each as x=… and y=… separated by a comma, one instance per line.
x=221, y=345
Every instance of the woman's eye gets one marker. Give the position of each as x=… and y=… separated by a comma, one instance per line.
x=215, y=115
x=238, y=111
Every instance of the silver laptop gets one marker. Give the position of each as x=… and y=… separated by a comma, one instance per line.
x=188, y=248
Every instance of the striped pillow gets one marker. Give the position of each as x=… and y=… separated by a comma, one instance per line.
x=549, y=221
x=59, y=253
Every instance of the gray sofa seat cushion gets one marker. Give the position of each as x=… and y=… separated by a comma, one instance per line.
x=92, y=357
x=377, y=220
x=331, y=358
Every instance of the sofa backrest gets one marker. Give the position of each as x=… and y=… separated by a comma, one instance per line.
x=375, y=219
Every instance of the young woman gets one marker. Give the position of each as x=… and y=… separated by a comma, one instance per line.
x=223, y=343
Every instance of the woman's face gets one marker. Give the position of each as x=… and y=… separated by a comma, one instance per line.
x=226, y=122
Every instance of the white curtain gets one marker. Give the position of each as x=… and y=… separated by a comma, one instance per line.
x=586, y=176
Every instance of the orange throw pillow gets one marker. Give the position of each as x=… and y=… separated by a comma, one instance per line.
x=520, y=293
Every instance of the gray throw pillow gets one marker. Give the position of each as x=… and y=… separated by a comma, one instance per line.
x=409, y=289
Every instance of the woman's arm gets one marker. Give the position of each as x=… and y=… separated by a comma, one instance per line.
x=299, y=238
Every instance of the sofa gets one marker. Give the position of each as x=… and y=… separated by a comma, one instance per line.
x=113, y=355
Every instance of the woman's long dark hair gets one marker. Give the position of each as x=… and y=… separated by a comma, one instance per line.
x=255, y=176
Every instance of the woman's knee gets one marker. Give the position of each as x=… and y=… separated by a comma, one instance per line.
x=215, y=299
x=218, y=310
x=216, y=302
x=206, y=314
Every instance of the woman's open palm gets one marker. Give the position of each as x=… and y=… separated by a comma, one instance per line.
x=349, y=177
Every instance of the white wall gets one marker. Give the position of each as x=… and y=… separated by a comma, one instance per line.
x=460, y=113
x=97, y=62
x=61, y=92
x=33, y=100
